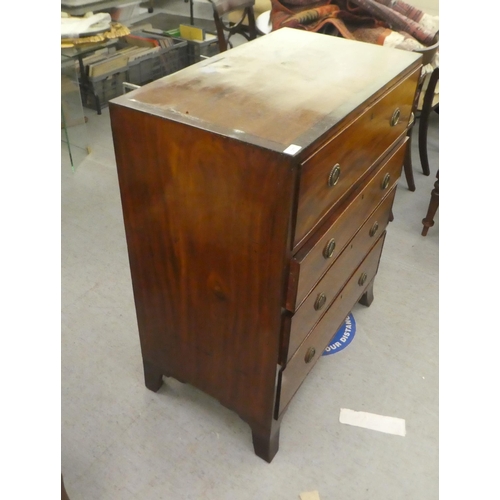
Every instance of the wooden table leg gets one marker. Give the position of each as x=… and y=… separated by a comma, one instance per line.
x=266, y=440
x=367, y=297
x=153, y=377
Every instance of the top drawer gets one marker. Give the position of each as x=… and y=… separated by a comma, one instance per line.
x=331, y=172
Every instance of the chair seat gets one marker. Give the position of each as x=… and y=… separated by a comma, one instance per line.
x=263, y=22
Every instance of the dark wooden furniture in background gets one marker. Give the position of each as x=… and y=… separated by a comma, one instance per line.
x=256, y=188
x=427, y=107
x=226, y=30
x=428, y=220
x=428, y=54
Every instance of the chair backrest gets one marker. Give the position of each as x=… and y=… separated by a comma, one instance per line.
x=245, y=10
x=428, y=53
x=223, y=6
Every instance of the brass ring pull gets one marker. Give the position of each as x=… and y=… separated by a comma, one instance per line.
x=320, y=301
x=362, y=279
x=385, y=181
x=395, y=117
x=334, y=176
x=309, y=354
x=374, y=229
x=329, y=248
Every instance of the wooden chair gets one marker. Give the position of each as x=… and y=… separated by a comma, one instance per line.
x=428, y=54
x=244, y=26
x=427, y=107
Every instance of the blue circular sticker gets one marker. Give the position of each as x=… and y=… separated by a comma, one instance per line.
x=343, y=337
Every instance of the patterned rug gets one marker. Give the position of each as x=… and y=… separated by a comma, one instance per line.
x=384, y=22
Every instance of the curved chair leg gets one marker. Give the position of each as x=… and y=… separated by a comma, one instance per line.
x=424, y=121
x=252, y=25
x=433, y=206
x=220, y=32
x=408, y=166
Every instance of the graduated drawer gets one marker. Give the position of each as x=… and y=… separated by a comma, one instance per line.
x=318, y=301
x=313, y=346
x=320, y=252
x=331, y=172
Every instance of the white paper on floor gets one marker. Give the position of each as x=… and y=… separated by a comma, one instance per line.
x=389, y=425
x=310, y=495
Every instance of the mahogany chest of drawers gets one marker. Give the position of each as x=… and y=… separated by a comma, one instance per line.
x=256, y=189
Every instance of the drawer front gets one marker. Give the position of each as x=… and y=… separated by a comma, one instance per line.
x=313, y=346
x=331, y=172
x=318, y=301
x=320, y=253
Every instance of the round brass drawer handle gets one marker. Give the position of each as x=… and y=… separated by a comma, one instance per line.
x=395, y=117
x=374, y=229
x=329, y=248
x=320, y=301
x=385, y=181
x=309, y=354
x=334, y=176
x=362, y=279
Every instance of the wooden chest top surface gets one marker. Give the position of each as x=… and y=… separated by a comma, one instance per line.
x=286, y=88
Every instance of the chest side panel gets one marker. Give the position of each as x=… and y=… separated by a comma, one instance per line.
x=207, y=224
